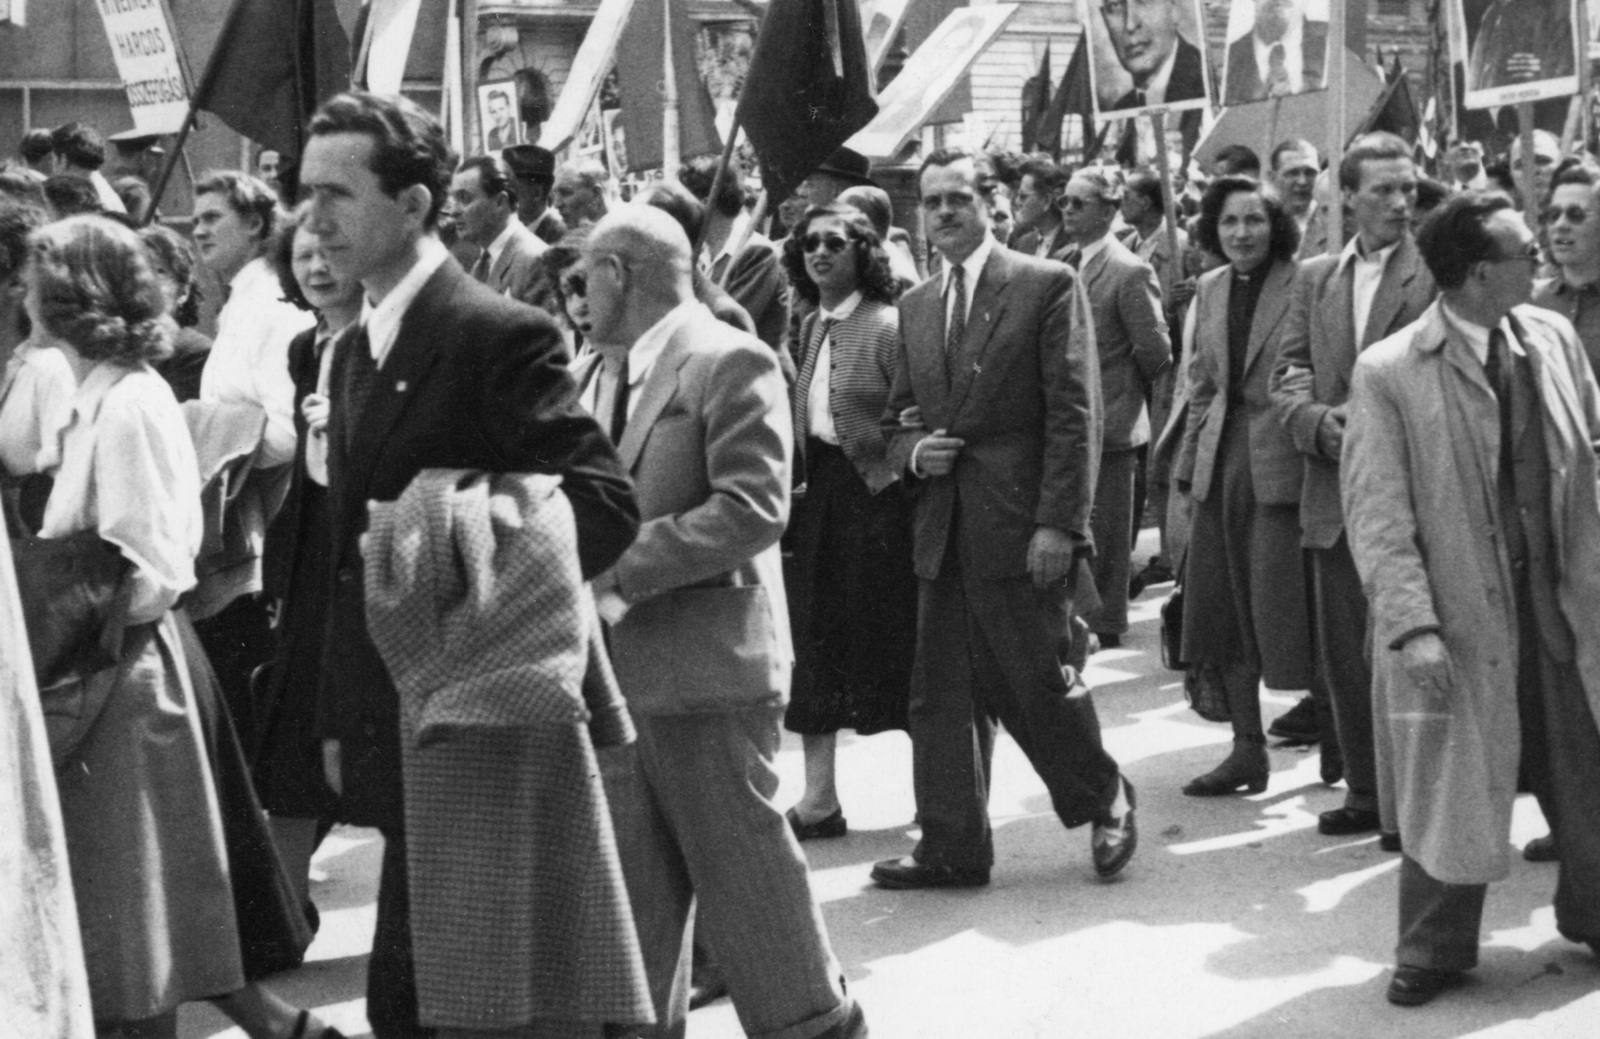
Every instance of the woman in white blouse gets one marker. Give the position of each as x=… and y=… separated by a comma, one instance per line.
x=143, y=832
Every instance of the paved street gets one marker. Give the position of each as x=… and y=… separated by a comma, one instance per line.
x=1236, y=920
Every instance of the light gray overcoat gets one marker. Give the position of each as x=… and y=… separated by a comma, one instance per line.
x=1419, y=470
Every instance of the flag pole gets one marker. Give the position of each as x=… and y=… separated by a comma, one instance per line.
x=671, y=153
x=1530, y=194
x=723, y=164
x=1338, y=88
x=469, y=74
x=1169, y=208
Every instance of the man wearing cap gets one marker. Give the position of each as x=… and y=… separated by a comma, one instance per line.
x=533, y=169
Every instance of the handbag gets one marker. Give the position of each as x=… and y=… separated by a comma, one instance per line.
x=1172, y=631
x=73, y=603
x=1207, y=696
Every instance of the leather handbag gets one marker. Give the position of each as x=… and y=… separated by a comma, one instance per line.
x=1172, y=631
x=73, y=604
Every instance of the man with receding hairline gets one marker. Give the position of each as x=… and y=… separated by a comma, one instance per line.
x=700, y=641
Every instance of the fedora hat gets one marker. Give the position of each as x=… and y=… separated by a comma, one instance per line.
x=848, y=165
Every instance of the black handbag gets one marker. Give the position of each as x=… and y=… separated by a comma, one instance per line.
x=1172, y=631
x=73, y=604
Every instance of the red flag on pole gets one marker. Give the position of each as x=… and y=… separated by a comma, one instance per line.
x=808, y=90
x=1074, y=97
x=1036, y=101
x=640, y=57
x=273, y=63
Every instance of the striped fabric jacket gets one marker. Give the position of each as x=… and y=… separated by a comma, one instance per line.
x=863, y=357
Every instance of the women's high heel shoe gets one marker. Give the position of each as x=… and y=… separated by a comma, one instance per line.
x=1245, y=766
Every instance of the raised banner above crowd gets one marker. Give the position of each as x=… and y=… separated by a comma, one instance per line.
x=1515, y=50
x=1276, y=48
x=148, y=63
x=1148, y=55
x=929, y=76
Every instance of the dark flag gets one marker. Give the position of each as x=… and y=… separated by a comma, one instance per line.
x=808, y=89
x=1395, y=111
x=1036, y=102
x=1075, y=97
x=273, y=63
x=640, y=59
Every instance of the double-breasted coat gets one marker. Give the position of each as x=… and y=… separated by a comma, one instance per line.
x=1420, y=465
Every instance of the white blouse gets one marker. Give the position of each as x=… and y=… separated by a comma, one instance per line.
x=35, y=394
x=128, y=470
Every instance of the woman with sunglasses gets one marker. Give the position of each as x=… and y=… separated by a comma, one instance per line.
x=1245, y=604
x=852, y=593
x=1572, y=233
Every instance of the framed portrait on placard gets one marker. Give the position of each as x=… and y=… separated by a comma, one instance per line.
x=1146, y=55
x=499, y=124
x=1276, y=48
x=1515, y=50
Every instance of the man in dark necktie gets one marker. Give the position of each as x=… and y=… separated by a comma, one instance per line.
x=1469, y=487
x=1283, y=53
x=995, y=357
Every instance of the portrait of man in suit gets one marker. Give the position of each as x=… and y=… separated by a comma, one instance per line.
x=1520, y=43
x=1148, y=39
x=499, y=117
x=1282, y=52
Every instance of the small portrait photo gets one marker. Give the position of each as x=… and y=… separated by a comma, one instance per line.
x=616, y=144
x=1275, y=48
x=498, y=120
x=1146, y=54
x=1515, y=50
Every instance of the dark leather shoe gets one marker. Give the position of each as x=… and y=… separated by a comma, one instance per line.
x=1297, y=725
x=904, y=874
x=828, y=826
x=1388, y=840
x=1542, y=849
x=1245, y=766
x=1341, y=822
x=1414, y=986
x=1113, y=841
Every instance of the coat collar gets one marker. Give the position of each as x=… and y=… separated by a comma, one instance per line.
x=660, y=385
x=1271, y=305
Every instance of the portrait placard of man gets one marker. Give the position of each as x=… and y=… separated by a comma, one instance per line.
x=1148, y=55
x=1275, y=48
x=497, y=114
x=1516, y=50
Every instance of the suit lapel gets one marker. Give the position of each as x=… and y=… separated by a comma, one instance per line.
x=1391, y=294
x=1096, y=265
x=987, y=306
x=1270, y=308
x=415, y=351
x=922, y=312
x=658, y=388
x=1338, y=317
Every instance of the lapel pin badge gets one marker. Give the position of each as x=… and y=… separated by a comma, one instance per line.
x=400, y=387
x=977, y=369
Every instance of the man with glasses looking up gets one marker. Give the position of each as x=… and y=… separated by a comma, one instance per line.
x=1470, y=498
x=1572, y=231
x=1134, y=347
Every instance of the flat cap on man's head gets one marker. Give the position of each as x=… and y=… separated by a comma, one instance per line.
x=530, y=162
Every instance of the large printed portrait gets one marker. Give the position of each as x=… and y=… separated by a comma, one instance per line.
x=1276, y=48
x=1515, y=50
x=498, y=120
x=1146, y=54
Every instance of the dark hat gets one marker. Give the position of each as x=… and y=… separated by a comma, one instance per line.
x=849, y=166
x=530, y=162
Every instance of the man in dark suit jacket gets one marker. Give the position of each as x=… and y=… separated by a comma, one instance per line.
x=1379, y=279
x=440, y=373
x=1283, y=54
x=700, y=639
x=1166, y=68
x=1130, y=331
x=1002, y=467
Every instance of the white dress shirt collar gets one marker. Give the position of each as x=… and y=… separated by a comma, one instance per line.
x=1477, y=336
x=1293, y=57
x=647, y=349
x=1353, y=253
x=1093, y=249
x=382, y=320
x=843, y=310
x=971, y=271
x=736, y=235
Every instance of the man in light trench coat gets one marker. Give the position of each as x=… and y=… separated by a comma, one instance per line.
x=1469, y=484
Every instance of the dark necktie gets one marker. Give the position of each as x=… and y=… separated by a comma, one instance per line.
x=1138, y=99
x=1497, y=365
x=1073, y=257
x=619, y=406
x=1277, y=72
x=956, y=324
x=360, y=372
x=480, y=267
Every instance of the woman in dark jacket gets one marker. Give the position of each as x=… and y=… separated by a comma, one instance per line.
x=852, y=593
x=287, y=758
x=1245, y=606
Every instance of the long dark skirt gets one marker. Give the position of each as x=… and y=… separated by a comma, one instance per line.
x=287, y=754
x=273, y=932
x=852, y=601
x=1245, y=580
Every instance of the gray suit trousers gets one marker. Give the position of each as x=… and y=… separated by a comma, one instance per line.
x=701, y=841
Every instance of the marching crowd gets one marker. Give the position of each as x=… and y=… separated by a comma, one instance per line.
x=515, y=521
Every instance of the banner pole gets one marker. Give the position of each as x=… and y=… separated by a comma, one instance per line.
x=1338, y=94
x=716, y=181
x=1525, y=182
x=1158, y=126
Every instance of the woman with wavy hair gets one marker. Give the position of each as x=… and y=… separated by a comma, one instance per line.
x=1245, y=604
x=146, y=839
x=852, y=593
